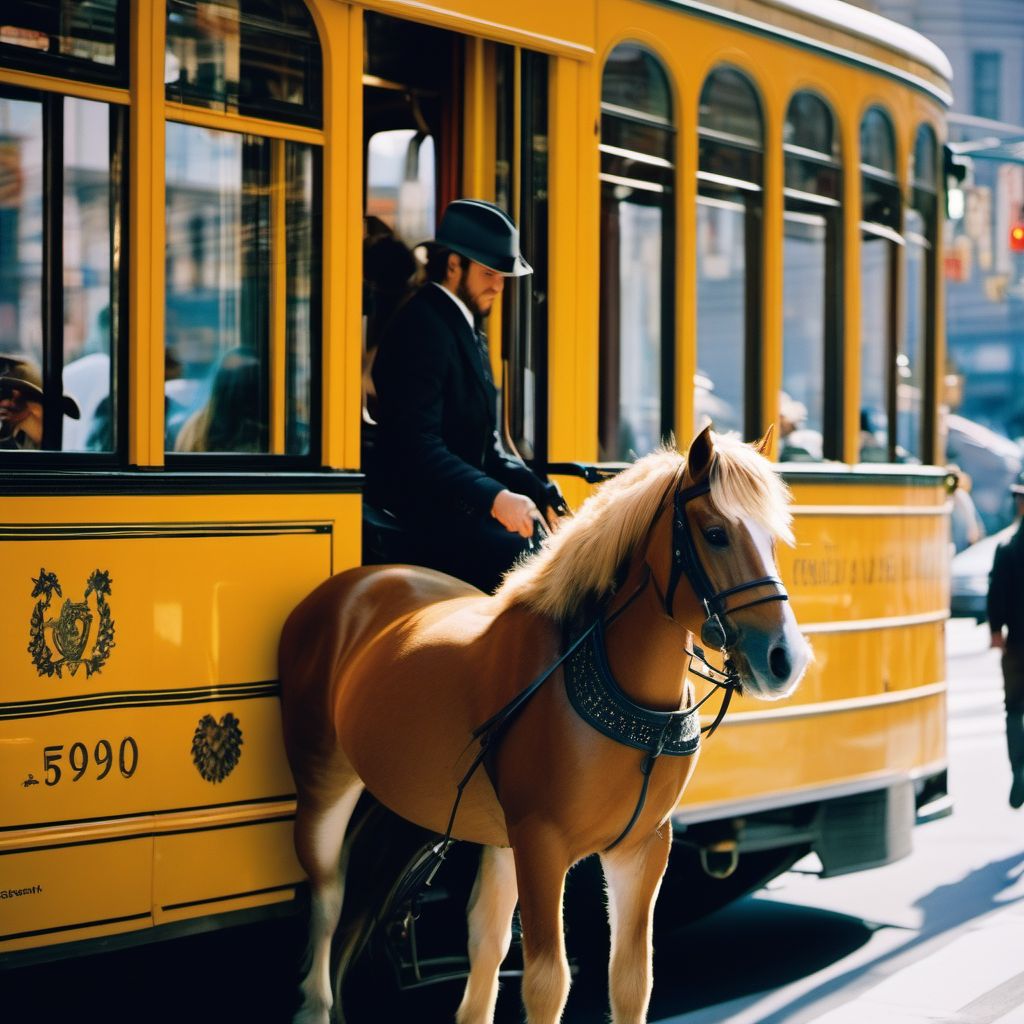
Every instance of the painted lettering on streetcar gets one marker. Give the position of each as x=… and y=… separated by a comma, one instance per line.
x=63, y=762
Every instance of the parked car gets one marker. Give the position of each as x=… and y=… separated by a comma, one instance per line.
x=970, y=569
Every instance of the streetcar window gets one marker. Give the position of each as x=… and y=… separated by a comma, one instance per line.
x=916, y=351
x=728, y=254
x=59, y=272
x=255, y=57
x=81, y=39
x=224, y=337
x=636, y=376
x=810, y=406
x=881, y=240
x=401, y=186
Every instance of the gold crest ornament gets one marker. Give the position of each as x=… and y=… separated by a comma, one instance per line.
x=70, y=630
x=216, y=747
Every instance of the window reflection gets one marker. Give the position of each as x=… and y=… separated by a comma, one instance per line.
x=721, y=320
x=802, y=408
x=728, y=236
x=88, y=327
x=21, y=228
x=55, y=377
x=83, y=31
x=401, y=183
x=257, y=57
x=635, y=407
x=218, y=316
x=809, y=407
x=876, y=269
x=880, y=243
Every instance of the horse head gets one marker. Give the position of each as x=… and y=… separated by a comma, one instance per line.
x=712, y=554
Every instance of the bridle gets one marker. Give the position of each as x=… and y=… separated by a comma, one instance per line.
x=717, y=631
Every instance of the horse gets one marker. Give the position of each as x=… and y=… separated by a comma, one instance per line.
x=388, y=672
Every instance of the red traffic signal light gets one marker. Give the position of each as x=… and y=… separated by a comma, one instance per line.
x=1017, y=238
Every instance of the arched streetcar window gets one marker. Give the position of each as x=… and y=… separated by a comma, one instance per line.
x=62, y=205
x=637, y=241
x=810, y=406
x=243, y=230
x=880, y=243
x=914, y=424
x=728, y=253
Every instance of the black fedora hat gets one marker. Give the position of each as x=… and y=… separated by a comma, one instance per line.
x=484, y=233
x=18, y=372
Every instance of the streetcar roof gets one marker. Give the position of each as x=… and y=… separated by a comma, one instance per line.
x=873, y=27
x=836, y=15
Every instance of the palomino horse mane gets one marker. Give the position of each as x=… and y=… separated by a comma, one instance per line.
x=583, y=558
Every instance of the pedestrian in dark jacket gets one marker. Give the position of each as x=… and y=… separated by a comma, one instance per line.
x=438, y=462
x=1006, y=621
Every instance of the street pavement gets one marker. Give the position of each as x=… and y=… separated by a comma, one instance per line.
x=945, y=926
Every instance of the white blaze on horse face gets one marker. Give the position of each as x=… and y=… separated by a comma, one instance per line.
x=777, y=657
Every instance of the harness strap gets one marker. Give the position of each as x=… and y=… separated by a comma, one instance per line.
x=489, y=731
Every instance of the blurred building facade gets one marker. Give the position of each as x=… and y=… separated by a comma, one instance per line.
x=984, y=40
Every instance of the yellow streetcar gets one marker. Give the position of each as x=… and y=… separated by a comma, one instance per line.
x=734, y=210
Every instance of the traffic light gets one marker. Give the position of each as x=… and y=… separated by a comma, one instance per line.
x=1017, y=237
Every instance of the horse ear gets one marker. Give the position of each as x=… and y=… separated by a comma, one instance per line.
x=698, y=458
x=764, y=446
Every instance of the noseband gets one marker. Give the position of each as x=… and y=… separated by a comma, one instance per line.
x=717, y=632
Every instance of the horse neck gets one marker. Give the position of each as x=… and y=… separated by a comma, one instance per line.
x=647, y=651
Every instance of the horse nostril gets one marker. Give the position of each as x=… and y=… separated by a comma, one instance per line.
x=779, y=662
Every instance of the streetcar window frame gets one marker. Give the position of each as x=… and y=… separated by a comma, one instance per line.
x=881, y=219
x=822, y=199
x=627, y=172
x=721, y=147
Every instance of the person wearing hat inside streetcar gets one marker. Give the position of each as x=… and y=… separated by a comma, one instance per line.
x=21, y=404
x=438, y=463
x=1006, y=622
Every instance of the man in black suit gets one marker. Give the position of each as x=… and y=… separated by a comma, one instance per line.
x=439, y=464
x=1006, y=611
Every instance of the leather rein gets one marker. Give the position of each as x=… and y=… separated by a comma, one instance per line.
x=717, y=632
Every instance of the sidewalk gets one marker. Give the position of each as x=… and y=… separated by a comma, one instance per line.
x=975, y=979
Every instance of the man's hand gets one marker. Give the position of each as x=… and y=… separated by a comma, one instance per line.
x=998, y=640
x=516, y=512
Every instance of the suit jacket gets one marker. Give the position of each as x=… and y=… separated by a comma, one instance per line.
x=1006, y=589
x=437, y=448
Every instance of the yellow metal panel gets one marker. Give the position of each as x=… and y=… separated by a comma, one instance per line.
x=218, y=870
x=78, y=892
x=767, y=758
x=153, y=753
x=196, y=609
x=147, y=230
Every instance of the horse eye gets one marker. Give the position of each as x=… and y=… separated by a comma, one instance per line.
x=716, y=537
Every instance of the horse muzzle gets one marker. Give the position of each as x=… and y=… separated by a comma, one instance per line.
x=770, y=662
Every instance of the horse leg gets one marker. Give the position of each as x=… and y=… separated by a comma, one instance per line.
x=541, y=865
x=633, y=875
x=320, y=823
x=491, y=906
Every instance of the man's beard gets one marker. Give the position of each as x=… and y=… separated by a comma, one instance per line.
x=463, y=293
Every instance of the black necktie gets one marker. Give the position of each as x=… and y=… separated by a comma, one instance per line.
x=485, y=356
